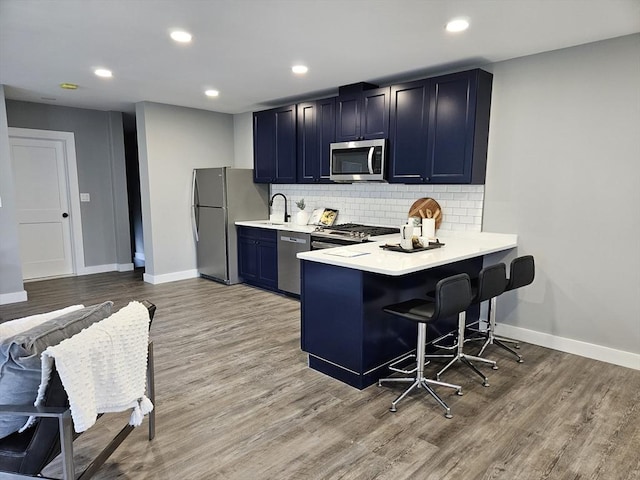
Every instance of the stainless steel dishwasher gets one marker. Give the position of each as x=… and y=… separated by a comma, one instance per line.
x=289, y=245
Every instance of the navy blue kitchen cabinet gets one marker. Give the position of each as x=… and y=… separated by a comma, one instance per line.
x=439, y=129
x=362, y=115
x=344, y=329
x=258, y=257
x=274, y=145
x=408, y=132
x=316, y=131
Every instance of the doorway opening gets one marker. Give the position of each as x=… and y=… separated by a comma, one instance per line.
x=133, y=188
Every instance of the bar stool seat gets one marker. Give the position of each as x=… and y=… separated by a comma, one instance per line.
x=452, y=297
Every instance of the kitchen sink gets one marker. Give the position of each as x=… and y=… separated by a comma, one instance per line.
x=269, y=222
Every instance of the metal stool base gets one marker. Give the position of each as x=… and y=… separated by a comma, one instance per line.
x=460, y=356
x=420, y=380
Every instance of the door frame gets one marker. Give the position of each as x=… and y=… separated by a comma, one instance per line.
x=71, y=171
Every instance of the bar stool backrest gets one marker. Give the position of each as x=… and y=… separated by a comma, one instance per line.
x=492, y=281
x=453, y=295
x=521, y=273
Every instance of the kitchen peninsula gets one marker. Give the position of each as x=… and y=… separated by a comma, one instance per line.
x=343, y=328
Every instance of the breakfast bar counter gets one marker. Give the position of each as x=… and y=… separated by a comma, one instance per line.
x=371, y=257
x=343, y=290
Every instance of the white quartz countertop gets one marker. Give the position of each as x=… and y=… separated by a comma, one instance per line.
x=369, y=257
x=288, y=226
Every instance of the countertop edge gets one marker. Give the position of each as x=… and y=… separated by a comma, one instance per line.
x=459, y=248
x=288, y=226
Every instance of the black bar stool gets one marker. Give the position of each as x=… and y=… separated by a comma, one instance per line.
x=452, y=296
x=521, y=273
x=491, y=282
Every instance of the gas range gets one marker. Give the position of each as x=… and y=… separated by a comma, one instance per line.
x=347, y=234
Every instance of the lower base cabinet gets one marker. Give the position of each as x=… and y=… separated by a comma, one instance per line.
x=258, y=257
x=346, y=333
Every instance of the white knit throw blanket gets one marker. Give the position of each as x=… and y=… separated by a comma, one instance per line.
x=103, y=368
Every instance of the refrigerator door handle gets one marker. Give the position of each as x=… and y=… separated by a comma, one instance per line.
x=194, y=194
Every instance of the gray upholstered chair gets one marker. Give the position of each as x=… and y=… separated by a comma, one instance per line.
x=24, y=455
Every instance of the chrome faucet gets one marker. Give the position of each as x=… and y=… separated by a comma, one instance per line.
x=286, y=214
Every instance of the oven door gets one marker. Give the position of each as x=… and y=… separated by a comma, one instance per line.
x=322, y=244
x=319, y=242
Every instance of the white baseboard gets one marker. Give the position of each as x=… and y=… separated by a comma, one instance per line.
x=125, y=267
x=576, y=347
x=170, y=277
x=13, y=297
x=139, y=256
x=110, y=267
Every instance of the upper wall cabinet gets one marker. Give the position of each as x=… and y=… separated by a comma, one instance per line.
x=439, y=129
x=408, y=132
x=316, y=131
x=274, y=145
x=362, y=115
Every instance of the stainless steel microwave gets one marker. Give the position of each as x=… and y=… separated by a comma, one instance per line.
x=358, y=161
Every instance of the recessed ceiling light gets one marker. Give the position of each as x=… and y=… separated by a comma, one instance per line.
x=299, y=69
x=69, y=86
x=103, y=72
x=181, y=36
x=212, y=93
x=457, y=25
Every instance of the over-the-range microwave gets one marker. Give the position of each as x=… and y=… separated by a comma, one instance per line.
x=358, y=161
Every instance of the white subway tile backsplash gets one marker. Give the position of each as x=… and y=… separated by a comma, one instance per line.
x=387, y=204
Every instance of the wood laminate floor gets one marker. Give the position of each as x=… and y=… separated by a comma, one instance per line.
x=235, y=400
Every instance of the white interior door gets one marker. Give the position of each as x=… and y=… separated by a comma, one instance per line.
x=42, y=207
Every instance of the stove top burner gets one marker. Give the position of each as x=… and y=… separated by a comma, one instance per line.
x=366, y=229
x=354, y=232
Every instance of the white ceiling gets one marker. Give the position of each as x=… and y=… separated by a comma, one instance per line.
x=245, y=48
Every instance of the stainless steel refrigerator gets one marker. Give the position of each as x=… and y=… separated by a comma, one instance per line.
x=222, y=196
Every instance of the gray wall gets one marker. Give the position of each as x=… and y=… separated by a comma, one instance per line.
x=172, y=141
x=564, y=174
x=243, y=140
x=10, y=264
x=100, y=163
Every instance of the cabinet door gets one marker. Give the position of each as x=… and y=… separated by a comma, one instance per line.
x=408, y=130
x=308, y=161
x=363, y=115
x=285, y=155
x=268, y=264
x=316, y=132
x=451, y=127
x=348, y=117
x=264, y=146
x=374, y=119
x=274, y=145
x=326, y=128
x=247, y=258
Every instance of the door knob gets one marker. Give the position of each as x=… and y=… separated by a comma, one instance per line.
x=65, y=215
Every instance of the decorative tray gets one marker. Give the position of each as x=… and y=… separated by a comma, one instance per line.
x=398, y=248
